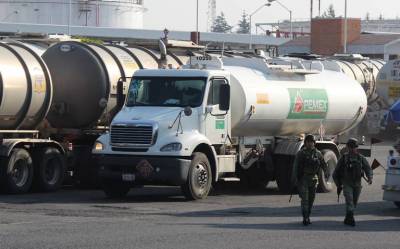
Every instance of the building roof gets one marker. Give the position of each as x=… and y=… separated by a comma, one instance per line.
x=364, y=40
x=139, y=34
x=300, y=41
x=375, y=39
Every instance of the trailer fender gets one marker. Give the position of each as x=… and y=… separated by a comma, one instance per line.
x=8, y=145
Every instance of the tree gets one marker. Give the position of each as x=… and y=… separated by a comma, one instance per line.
x=244, y=24
x=221, y=25
x=329, y=13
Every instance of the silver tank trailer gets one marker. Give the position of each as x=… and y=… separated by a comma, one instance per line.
x=364, y=71
x=289, y=103
x=85, y=80
x=389, y=82
x=25, y=87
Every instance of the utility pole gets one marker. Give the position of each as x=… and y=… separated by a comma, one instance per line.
x=251, y=23
x=211, y=14
x=345, y=27
x=69, y=17
x=197, y=22
x=319, y=7
x=311, y=9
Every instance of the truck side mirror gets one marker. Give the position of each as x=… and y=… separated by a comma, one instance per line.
x=120, y=94
x=224, y=97
x=188, y=111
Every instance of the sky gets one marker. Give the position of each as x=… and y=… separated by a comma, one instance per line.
x=181, y=14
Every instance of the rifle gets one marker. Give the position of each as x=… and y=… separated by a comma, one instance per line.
x=292, y=190
x=338, y=191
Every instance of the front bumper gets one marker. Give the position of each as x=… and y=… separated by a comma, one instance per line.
x=146, y=170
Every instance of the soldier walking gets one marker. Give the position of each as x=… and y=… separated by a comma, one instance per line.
x=350, y=168
x=308, y=163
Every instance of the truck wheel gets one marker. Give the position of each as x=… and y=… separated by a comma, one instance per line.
x=326, y=182
x=397, y=203
x=49, y=170
x=18, y=174
x=115, y=190
x=199, y=180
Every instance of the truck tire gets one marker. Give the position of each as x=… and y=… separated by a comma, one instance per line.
x=49, y=169
x=18, y=172
x=326, y=183
x=198, y=183
x=115, y=190
x=397, y=203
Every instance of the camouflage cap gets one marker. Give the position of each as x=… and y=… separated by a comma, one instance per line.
x=352, y=143
x=310, y=138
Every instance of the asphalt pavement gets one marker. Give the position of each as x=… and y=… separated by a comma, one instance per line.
x=232, y=217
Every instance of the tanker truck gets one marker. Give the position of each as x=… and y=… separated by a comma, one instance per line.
x=54, y=103
x=224, y=119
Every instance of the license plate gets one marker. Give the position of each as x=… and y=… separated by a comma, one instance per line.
x=128, y=177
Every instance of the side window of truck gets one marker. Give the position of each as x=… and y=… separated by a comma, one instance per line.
x=213, y=95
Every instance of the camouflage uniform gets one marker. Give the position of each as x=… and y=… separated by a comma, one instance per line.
x=348, y=173
x=306, y=167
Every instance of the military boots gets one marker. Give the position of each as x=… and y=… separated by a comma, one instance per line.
x=306, y=219
x=349, y=220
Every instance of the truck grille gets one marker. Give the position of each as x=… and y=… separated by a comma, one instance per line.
x=132, y=135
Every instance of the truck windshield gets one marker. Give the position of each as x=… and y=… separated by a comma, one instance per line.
x=166, y=91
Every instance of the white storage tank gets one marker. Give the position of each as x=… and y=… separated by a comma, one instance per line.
x=93, y=13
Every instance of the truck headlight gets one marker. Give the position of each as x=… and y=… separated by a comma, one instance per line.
x=98, y=146
x=171, y=147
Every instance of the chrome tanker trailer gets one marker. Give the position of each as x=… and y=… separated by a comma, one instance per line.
x=223, y=119
x=363, y=70
x=52, y=108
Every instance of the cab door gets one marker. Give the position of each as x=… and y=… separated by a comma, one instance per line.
x=217, y=120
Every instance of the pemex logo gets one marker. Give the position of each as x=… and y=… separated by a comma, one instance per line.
x=298, y=103
x=308, y=103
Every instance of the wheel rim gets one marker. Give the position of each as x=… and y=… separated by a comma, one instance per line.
x=20, y=173
x=201, y=178
x=52, y=171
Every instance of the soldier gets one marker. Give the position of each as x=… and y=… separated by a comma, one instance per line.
x=350, y=168
x=308, y=162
